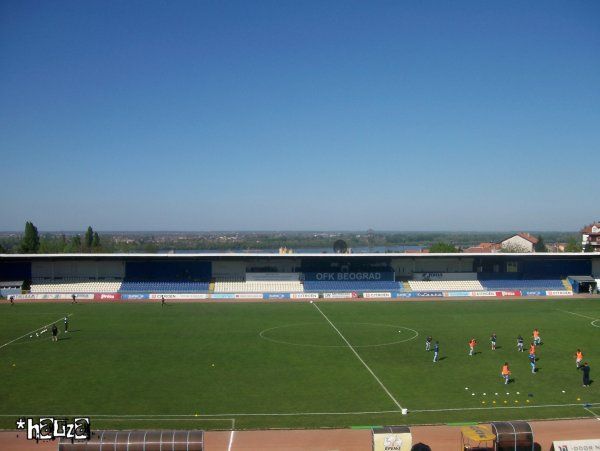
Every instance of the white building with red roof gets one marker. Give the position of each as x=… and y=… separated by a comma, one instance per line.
x=521, y=242
x=590, y=236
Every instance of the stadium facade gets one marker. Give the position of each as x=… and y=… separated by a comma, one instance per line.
x=260, y=275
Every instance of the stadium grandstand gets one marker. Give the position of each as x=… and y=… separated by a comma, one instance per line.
x=254, y=275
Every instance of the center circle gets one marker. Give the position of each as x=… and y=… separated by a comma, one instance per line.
x=593, y=323
x=300, y=334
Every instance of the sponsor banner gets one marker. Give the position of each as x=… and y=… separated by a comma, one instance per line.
x=428, y=276
x=248, y=296
x=508, y=293
x=379, y=295
x=533, y=293
x=483, y=293
x=410, y=294
x=272, y=276
x=340, y=295
x=304, y=295
x=429, y=294
x=576, y=445
x=222, y=296
x=559, y=293
x=178, y=296
x=135, y=296
x=348, y=276
x=277, y=295
x=107, y=296
x=457, y=294
x=52, y=296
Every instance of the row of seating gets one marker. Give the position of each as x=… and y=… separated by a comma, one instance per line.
x=445, y=285
x=524, y=284
x=163, y=287
x=76, y=287
x=239, y=285
x=338, y=285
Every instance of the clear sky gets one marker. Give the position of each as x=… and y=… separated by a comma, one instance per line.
x=290, y=115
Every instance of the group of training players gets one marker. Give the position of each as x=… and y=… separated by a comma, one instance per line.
x=505, y=371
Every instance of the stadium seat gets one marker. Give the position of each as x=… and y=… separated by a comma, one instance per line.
x=523, y=284
x=240, y=285
x=374, y=285
x=445, y=285
x=73, y=285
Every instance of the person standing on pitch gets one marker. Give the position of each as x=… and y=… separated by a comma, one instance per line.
x=12, y=300
x=162, y=301
x=586, y=374
x=436, y=351
x=74, y=298
x=532, y=362
x=54, y=332
x=428, y=343
x=66, y=321
x=537, y=340
x=493, y=341
x=520, y=343
x=578, y=358
x=505, y=373
x=472, y=345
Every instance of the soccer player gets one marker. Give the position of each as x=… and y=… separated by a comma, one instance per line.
x=505, y=373
x=436, y=351
x=493, y=341
x=578, y=358
x=532, y=362
x=74, y=298
x=537, y=340
x=586, y=374
x=54, y=332
x=472, y=345
x=162, y=301
x=532, y=348
x=520, y=343
x=66, y=321
x=428, y=344
x=12, y=300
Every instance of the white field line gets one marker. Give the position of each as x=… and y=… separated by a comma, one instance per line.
x=32, y=331
x=359, y=358
x=593, y=413
x=231, y=434
x=579, y=314
x=230, y=416
x=503, y=407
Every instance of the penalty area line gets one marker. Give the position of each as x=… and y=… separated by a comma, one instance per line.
x=359, y=358
x=32, y=331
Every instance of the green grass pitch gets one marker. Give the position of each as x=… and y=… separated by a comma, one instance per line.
x=206, y=365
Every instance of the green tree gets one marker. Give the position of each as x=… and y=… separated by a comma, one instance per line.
x=30, y=243
x=2, y=249
x=572, y=245
x=442, y=248
x=75, y=244
x=88, y=238
x=96, y=242
x=540, y=246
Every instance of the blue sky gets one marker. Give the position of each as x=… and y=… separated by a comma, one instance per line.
x=299, y=115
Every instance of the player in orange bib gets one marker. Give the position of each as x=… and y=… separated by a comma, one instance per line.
x=472, y=345
x=505, y=373
x=536, y=337
x=532, y=348
x=578, y=358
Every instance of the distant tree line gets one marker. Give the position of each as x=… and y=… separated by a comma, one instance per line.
x=90, y=241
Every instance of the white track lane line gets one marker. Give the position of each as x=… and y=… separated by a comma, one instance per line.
x=231, y=434
x=32, y=331
x=360, y=358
